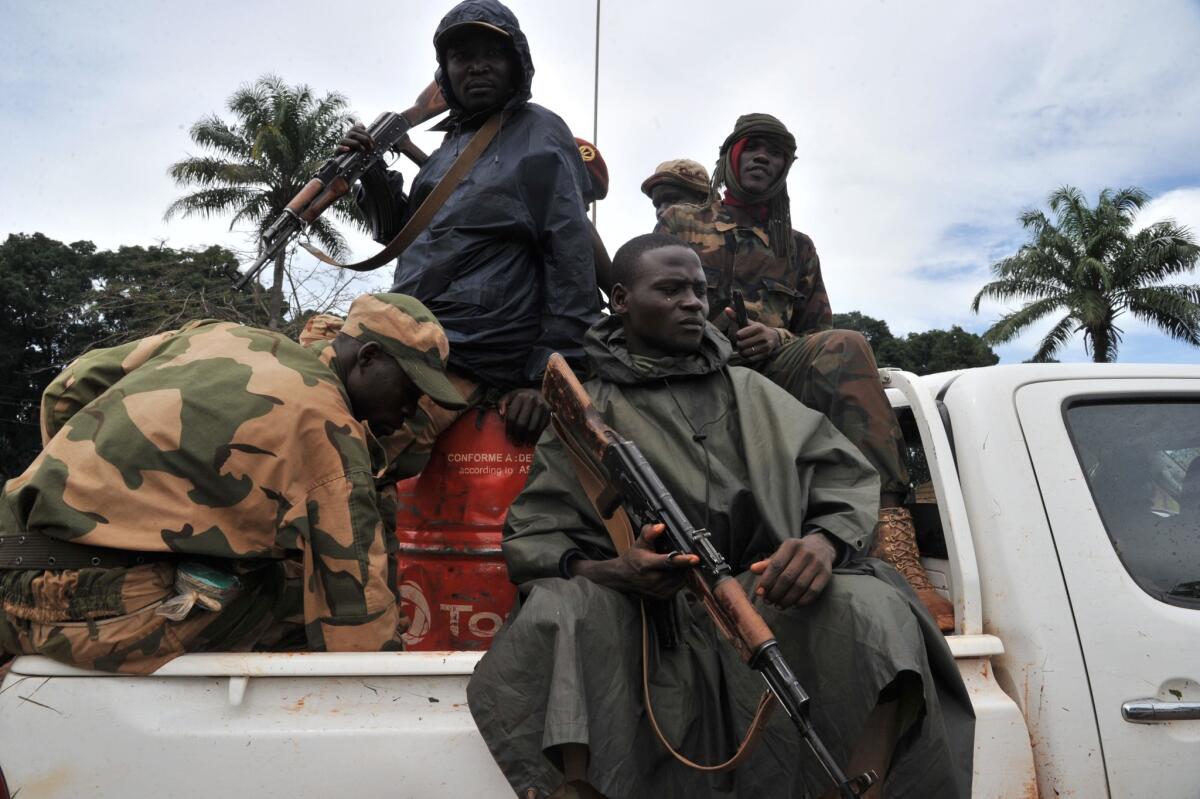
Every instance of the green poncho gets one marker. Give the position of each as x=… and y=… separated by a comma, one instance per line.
x=567, y=667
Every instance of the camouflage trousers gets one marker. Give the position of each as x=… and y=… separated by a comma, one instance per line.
x=106, y=620
x=409, y=447
x=834, y=372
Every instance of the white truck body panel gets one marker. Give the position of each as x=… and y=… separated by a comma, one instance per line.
x=1135, y=646
x=297, y=725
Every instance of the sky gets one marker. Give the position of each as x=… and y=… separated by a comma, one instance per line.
x=924, y=128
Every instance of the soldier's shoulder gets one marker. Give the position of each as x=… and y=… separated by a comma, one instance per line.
x=804, y=242
x=686, y=218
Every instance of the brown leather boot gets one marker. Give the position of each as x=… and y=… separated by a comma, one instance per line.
x=896, y=543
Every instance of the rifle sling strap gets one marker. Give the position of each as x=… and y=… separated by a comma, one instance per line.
x=620, y=530
x=429, y=206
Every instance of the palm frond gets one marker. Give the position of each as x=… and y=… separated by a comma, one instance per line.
x=1056, y=339
x=209, y=202
x=1175, y=310
x=1013, y=324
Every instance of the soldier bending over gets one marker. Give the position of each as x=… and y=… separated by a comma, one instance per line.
x=790, y=502
x=222, y=464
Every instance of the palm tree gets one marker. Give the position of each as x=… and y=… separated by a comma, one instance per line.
x=1089, y=263
x=282, y=134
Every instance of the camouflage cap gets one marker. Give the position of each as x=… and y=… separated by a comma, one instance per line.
x=407, y=331
x=682, y=172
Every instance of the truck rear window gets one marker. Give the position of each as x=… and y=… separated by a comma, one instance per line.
x=1142, y=462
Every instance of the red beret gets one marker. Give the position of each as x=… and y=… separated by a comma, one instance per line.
x=597, y=169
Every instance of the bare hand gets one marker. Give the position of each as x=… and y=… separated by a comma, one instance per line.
x=525, y=413
x=755, y=341
x=357, y=139
x=798, y=571
x=641, y=570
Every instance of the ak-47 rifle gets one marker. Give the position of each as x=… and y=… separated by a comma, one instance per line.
x=632, y=484
x=333, y=180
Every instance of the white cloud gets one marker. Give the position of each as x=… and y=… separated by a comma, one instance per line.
x=924, y=128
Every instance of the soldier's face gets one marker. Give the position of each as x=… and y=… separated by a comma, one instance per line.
x=665, y=195
x=666, y=303
x=480, y=66
x=760, y=164
x=381, y=394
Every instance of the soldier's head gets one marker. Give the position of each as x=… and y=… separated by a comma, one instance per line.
x=661, y=294
x=477, y=55
x=678, y=182
x=391, y=352
x=756, y=157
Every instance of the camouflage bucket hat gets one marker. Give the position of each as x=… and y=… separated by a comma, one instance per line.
x=406, y=330
x=682, y=172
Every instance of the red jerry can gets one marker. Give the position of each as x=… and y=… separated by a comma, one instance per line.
x=449, y=520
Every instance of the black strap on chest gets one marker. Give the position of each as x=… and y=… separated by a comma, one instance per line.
x=38, y=551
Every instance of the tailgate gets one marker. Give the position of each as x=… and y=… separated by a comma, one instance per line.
x=244, y=725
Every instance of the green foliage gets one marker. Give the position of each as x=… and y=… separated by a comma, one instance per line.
x=875, y=331
x=57, y=301
x=920, y=353
x=258, y=163
x=140, y=291
x=1089, y=264
x=44, y=285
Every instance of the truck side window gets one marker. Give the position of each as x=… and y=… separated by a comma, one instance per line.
x=1142, y=463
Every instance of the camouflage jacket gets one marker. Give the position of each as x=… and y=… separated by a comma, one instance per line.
x=736, y=254
x=223, y=441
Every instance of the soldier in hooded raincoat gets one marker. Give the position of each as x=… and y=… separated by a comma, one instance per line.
x=506, y=264
x=224, y=450
x=790, y=502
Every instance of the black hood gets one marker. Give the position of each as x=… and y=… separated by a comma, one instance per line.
x=498, y=15
x=611, y=360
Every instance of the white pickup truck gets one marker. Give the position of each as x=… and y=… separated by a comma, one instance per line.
x=1054, y=517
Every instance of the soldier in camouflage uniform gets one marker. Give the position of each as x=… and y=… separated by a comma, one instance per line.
x=680, y=181
x=746, y=243
x=223, y=448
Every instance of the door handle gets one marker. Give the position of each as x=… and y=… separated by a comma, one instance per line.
x=1153, y=711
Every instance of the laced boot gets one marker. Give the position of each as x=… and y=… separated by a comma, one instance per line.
x=896, y=543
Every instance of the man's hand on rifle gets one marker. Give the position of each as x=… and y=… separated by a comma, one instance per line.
x=641, y=570
x=755, y=341
x=356, y=138
x=798, y=571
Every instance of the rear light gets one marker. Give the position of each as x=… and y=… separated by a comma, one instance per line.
x=3, y=787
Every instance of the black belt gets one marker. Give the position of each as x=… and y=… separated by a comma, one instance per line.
x=40, y=551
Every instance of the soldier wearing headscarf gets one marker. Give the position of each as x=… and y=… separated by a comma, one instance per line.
x=746, y=242
x=213, y=489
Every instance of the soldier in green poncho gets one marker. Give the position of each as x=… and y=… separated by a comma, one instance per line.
x=790, y=502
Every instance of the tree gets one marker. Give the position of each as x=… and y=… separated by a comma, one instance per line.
x=140, y=291
x=922, y=353
x=937, y=351
x=44, y=323
x=875, y=331
x=1089, y=263
x=282, y=134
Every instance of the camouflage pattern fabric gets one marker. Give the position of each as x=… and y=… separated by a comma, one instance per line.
x=736, y=254
x=832, y=371
x=217, y=441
